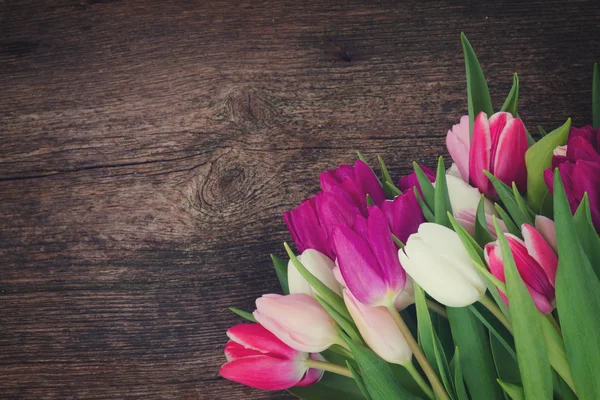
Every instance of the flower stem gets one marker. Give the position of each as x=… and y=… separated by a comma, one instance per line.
x=437, y=386
x=435, y=307
x=490, y=305
x=325, y=366
x=554, y=324
x=410, y=367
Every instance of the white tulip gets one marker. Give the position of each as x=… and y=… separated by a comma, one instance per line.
x=465, y=197
x=436, y=259
x=319, y=265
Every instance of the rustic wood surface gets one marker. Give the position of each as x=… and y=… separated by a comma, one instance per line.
x=148, y=149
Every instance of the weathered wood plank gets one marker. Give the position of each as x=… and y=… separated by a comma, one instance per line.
x=147, y=150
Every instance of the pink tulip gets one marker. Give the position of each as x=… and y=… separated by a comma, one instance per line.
x=367, y=259
x=298, y=320
x=256, y=358
x=547, y=228
x=466, y=218
x=378, y=328
x=498, y=146
x=535, y=261
x=403, y=214
x=354, y=183
x=458, y=143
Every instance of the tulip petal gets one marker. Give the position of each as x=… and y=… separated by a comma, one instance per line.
x=586, y=179
x=508, y=159
x=256, y=337
x=458, y=144
x=333, y=209
x=360, y=269
x=480, y=155
x=264, y=372
x=407, y=215
x=384, y=249
x=379, y=330
x=546, y=227
x=368, y=183
x=317, y=264
x=541, y=251
x=313, y=375
x=305, y=228
x=408, y=182
x=579, y=148
x=234, y=350
x=531, y=272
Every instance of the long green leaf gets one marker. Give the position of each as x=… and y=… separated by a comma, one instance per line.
x=515, y=392
x=281, y=271
x=482, y=235
x=596, y=98
x=512, y=100
x=532, y=352
x=459, y=382
x=508, y=199
x=359, y=381
x=506, y=366
x=331, y=386
x=346, y=325
x=332, y=298
x=477, y=363
x=587, y=234
x=426, y=186
x=496, y=329
x=377, y=375
x=510, y=225
x=525, y=210
x=537, y=159
x=243, y=314
x=442, y=199
x=427, y=213
x=577, y=300
x=478, y=94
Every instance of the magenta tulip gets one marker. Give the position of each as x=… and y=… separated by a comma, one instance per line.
x=298, y=320
x=579, y=169
x=458, y=142
x=305, y=227
x=256, y=358
x=403, y=214
x=409, y=181
x=536, y=262
x=354, y=183
x=368, y=260
x=498, y=145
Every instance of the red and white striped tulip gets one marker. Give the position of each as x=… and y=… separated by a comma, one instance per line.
x=298, y=320
x=256, y=358
x=535, y=261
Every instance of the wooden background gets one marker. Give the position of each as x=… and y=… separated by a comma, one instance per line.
x=148, y=149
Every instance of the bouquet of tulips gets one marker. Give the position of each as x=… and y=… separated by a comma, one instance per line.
x=480, y=281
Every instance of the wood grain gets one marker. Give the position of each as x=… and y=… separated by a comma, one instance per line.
x=148, y=149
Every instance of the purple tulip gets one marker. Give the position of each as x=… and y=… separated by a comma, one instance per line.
x=354, y=183
x=579, y=168
x=368, y=261
x=403, y=214
x=305, y=227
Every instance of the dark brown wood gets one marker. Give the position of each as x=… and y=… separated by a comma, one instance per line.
x=148, y=149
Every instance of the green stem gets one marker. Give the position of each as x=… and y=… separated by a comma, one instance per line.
x=325, y=366
x=436, y=384
x=435, y=307
x=554, y=324
x=490, y=305
x=410, y=367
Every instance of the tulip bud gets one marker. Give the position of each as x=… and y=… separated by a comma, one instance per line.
x=305, y=227
x=403, y=214
x=367, y=260
x=467, y=219
x=498, y=145
x=458, y=142
x=378, y=328
x=437, y=260
x=535, y=261
x=317, y=264
x=465, y=197
x=256, y=358
x=298, y=320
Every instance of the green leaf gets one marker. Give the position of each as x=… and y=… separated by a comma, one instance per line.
x=508, y=199
x=511, y=102
x=482, y=235
x=426, y=186
x=526, y=321
x=537, y=159
x=424, y=208
x=442, y=204
x=477, y=363
x=359, y=381
x=515, y=392
x=497, y=330
x=596, y=98
x=459, y=383
x=577, y=300
x=562, y=391
x=506, y=366
x=525, y=210
x=478, y=94
x=510, y=225
x=370, y=201
x=243, y=314
x=361, y=157
x=377, y=375
x=346, y=325
x=332, y=298
x=331, y=386
x=281, y=271
x=542, y=131
x=391, y=190
x=587, y=234
x=429, y=341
